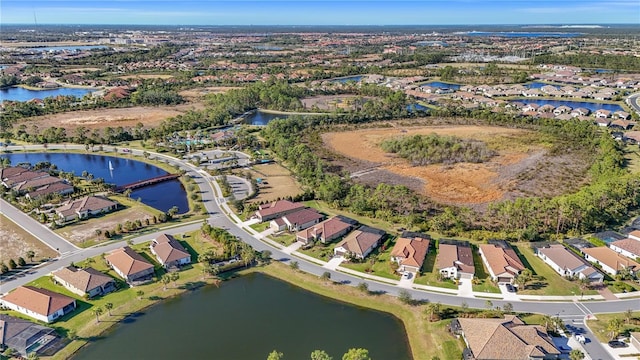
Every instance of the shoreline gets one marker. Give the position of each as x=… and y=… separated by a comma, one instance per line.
x=278, y=112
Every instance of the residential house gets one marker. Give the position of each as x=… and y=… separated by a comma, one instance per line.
x=61, y=188
x=504, y=339
x=622, y=115
x=530, y=107
x=278, y=224
x=602, y=122
x=562, y=109
x=24, y=336
x=602, y=113
x=635, y=235
x=501, y=261
x=634, y=338
x=84, y=282
x=359, y=243
x=410, y=251
x=302, y=219
x=40, y=304
x=622, y=124
x=169, y=252
x=277, y=209
x=611, y=261
x=327, y=230
x=130, y=265
x=627, y=247
x=84, y=207
x=455, y=261
x=580, y=112
x=15, y=176
x=567, y=264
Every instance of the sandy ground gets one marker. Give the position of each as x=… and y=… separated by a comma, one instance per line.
x=15, y=242
x=280, y=183
x=462, y=183
x=101, y=118
x=86, y=230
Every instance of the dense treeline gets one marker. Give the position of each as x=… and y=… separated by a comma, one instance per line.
x=605, y=61
x=436, y=149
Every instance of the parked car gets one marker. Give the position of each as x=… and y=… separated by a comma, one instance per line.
x=617, y=344
x=510, y=288
x=406, y=275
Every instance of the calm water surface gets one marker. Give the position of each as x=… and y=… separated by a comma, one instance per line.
x=161, y=196
x=17, y=93
x=442, y=85
x=262, y=118
x=247, y=318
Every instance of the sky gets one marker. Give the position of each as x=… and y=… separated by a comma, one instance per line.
x=325, y=12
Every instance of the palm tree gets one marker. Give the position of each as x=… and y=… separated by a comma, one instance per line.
x=432, y=309
x=247, y=254
x=576, y=354
x=614, y=326
x=97, y=311
x=31, y=254
x=547, y=321
x=108, y=306
x=165, y=281
x=212, y=270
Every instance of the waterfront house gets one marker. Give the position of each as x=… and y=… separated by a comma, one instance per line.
x=61, y=188
x=503, y=339
x=562, y=109
x=359, y=243
x=84, y=207
x=621, y=124
x=501, y=261
x=455, y=261
x=602, y=113
x=40, y=304
x=567, y=264
x=580, y=112
x=24, y=336
x=84, y=282
x=169, y=252
x=602, y=122
x=622, y=115
x=301, y=219
x=410, y=251
x=611, y=261
x=627, y=247
x=327, y=230
x=130, y=265
x=277, y=209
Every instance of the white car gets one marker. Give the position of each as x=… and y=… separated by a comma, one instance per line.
x=406, y=275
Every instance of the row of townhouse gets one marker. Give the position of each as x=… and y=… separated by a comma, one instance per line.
x=33, y=184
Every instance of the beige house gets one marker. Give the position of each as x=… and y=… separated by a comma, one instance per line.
x=84, y=282
x=504, y=339
x=130, y=265
x=501, y=261
x=84, y=207
x=359, y=243
x=277, y=209
x=410, y=252
x=327, y=230
x=40, y=304
x=611, y=261
x=455, y=261
x=169, y=252
x=568, y=264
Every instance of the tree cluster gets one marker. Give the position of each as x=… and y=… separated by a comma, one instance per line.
x=435, y=149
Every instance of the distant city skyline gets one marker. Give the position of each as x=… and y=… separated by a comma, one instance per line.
x=332, y=12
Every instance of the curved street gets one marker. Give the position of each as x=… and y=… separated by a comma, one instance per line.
x=634, y=102
x=572, y=312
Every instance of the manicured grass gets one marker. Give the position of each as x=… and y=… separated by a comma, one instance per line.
x=548, y=282
x=319, y=251
x=260, y=227
x=377, y=263
x=426, y=339
x=599, y=326
x=284, y=238
x=322, y=207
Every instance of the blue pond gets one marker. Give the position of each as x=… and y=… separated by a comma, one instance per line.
x=21, y=94
x=345, y=79
x=161, y=196
x=572, y=104
x=538, y=85
x=262, y=118
x=442, y=85
x=416, y=107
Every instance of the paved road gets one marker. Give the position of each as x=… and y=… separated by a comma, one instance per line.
x=634, y=102
x=568, y=311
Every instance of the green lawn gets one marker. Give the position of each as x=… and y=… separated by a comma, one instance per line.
x=285, y=238
x=260, y=227
x=377, y=263
x=547, y=281
x=599, y=326
x=319, y=251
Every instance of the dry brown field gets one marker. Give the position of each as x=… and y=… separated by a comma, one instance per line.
x=279, y=182
x=462, y=183
x=101, y=118
x=15, y=242
x=331, y=102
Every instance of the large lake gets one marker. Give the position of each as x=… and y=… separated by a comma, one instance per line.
x=17, y=93
x=262, y=118
x=247, y=318
x=161, y=196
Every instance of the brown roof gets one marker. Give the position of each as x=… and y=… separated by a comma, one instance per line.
x=562, y=257
x=277, y=207
x=83, y=279
x=57, y=187
x=326, y=229
x=630, y=245
x=302, y=216
x=128, y=261
x=611, y=258
x=87, y=203
x=507, y=339
x=11, y=171
x=413, y=250
x=454, y=255
x=41, y=301
x=359, y=241
x=169, y=249
x=502, y=259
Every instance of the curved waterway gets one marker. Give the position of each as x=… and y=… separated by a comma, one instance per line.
x=247, y=318
x=162, y=196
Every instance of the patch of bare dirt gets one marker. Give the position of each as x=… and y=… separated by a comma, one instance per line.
x=15, y=242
